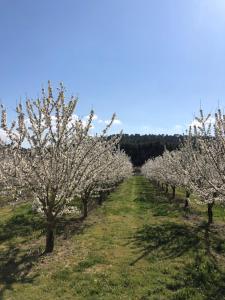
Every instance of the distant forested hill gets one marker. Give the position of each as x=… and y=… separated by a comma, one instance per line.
x=142, y=147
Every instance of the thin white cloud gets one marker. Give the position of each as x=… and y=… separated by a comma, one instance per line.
x=147, y=129
x=115, y=122
x=178, y=129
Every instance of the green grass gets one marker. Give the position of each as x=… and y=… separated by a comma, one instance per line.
x=138, y=245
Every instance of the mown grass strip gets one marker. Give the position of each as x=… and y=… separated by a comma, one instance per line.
x=138, y=245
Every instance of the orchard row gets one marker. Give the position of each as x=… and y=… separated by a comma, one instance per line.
x=198, y=166
x=49, y=156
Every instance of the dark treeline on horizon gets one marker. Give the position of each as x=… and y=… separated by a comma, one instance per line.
x=142, y=147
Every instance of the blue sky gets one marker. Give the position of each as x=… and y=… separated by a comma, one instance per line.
x=150, y=61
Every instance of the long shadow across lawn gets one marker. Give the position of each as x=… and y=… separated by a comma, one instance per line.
x=202, y=275
x=23, y=222
x=170, y=240
x=16, y=262
x=204, y=247
x=203, y=278
x=15, y=265
x=159, y=202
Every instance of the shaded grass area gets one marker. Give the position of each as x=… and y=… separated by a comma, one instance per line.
x=197, y=209
x=23, y=222
x=17, y=226
x=138, y=245
x=22, y=234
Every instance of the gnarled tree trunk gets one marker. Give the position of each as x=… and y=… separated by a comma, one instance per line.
x=186, y=201
x=173, y=191
x=167, y=188
x=210, y=213
x=49, y=244
x=100, y=198
x=85, y=208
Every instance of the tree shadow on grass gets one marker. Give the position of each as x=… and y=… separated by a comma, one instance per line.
x=22, y=223
x=204, y=246
x=16, y=263
x=168, y=240
x=67, y=227
x=203, y=278
x=15, y=266
x=161, y=203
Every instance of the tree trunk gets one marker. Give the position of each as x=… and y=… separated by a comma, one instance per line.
x=186, y=201
x=167, y=188
x=173, y=191
x=100, y=199
x=49, y=246
x=85, y=208
x=210, y=213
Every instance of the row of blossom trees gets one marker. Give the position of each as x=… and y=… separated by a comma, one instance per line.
x=49, y=153
x=198, y=166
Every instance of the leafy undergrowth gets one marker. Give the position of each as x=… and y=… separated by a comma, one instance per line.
x=138, y=245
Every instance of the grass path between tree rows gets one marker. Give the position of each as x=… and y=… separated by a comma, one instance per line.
x=137, y=245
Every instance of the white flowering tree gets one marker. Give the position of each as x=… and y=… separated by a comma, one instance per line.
x=162, y=169
x=172, y=168
x=5, y=166
x=96, y=162
x=8, y=169
x=182, y=168
x=198, y=166
x=152, y=170
x=206, y=147
x=168, y=170
x=112, y=167
x=52, y=152
x=119, y=169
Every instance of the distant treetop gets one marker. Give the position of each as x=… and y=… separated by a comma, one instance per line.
x=142, y=147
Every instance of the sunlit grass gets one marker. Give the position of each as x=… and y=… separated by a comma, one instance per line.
x=138, y=245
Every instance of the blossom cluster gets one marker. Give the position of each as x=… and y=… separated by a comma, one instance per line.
x=199, y=164
x=51, y=155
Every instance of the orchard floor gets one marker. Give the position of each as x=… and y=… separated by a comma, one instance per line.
x=137, y=245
